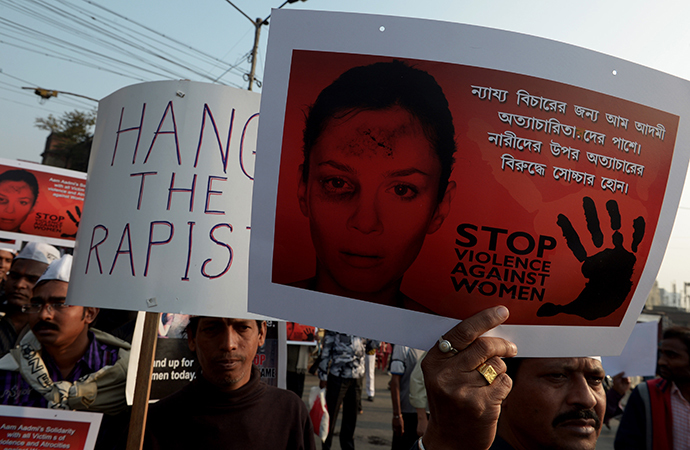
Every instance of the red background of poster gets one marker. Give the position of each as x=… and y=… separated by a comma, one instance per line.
x=75, y=441
x=300, y=333
x=486, y=195
x=56, y=196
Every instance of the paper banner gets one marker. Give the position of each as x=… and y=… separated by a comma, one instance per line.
x=562, y=190
x=639, y=355
x=28, y=428
x=167, y=214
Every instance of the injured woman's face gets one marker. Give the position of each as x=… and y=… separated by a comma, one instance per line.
x=371, y=198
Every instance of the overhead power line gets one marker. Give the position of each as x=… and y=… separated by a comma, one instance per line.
x=104, y=39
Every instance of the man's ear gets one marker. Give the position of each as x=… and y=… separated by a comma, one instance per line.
x=90, y=314
x=191, y=343
x=302, y=193
x=443, y=209
x=262, y=333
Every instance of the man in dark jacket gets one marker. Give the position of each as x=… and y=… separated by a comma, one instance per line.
x=665, y=400
x=228, y=406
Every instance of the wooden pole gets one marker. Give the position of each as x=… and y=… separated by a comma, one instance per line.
x=142, y=390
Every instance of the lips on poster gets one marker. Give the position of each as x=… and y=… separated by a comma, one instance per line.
x=446, y=189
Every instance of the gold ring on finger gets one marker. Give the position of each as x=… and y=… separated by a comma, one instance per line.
x=488, y=372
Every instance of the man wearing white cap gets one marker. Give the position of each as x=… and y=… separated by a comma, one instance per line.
x=62, y=363
x=6, y=257
x=543, y=403
x=26, y=268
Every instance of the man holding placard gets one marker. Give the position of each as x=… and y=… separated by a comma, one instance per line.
x=62, y=363
x=543, y=403
x=228, y=406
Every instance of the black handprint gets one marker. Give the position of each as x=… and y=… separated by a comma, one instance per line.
x=609, y=272
x=75, y=220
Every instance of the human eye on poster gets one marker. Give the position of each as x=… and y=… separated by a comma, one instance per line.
x=419, y=189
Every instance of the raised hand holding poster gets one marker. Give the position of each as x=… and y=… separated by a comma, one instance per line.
x=167, y=213
x=405, y=184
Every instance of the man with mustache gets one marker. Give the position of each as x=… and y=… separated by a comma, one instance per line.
x=555, y=403
x=63, y=363
x=480, y=397
x=657, y=415
x=228, y=406
x=25, y=270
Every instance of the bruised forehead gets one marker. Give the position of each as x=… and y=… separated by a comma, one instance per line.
x=370, y=132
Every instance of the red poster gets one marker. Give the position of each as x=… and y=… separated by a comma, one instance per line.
x=30, y=428
x=550, y=208
x=300, y=334
x=40, y=202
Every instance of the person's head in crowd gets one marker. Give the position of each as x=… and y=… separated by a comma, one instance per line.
x=555, y=403
x=225, y=348
x=674, y=355
x=378, y=151
x=18, y=195
x=6, y=258
x=58, y=326
x=26, y=269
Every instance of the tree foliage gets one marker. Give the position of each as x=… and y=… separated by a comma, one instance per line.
x=70, y=141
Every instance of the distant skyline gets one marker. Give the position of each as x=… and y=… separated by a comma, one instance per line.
x=651, y=33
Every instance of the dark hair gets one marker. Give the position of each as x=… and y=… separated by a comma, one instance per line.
x=677, y=332
x=384, y=85
x=22, y=175
x=193, y=325
x=512, y=366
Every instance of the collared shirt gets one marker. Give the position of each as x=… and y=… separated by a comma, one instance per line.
x=17, y=392
x=403, y=361
x=680, y=410
x=345, y=353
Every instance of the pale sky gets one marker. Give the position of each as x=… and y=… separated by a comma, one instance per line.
x=651, y=33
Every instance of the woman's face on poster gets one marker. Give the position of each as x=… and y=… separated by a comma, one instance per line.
x=371, y=197
x=16, y=201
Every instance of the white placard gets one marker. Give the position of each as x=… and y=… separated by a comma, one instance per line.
x=24, y=427
x=639, y=356
x=607, y=145
x=167, y=211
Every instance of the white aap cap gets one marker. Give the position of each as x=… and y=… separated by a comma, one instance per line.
x=39, y=251
x=8, y=250
x=58, y=270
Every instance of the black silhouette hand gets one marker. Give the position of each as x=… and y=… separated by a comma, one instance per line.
x=609, y=272
x=75, y=220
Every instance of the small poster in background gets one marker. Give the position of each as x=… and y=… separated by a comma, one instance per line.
x=40, y=203
x=31, y=428
x=298, y=334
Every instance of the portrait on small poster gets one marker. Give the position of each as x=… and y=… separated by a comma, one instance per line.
x=298, y=334
x=40, y=203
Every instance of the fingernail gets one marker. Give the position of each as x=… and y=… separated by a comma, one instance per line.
x=502, y=312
